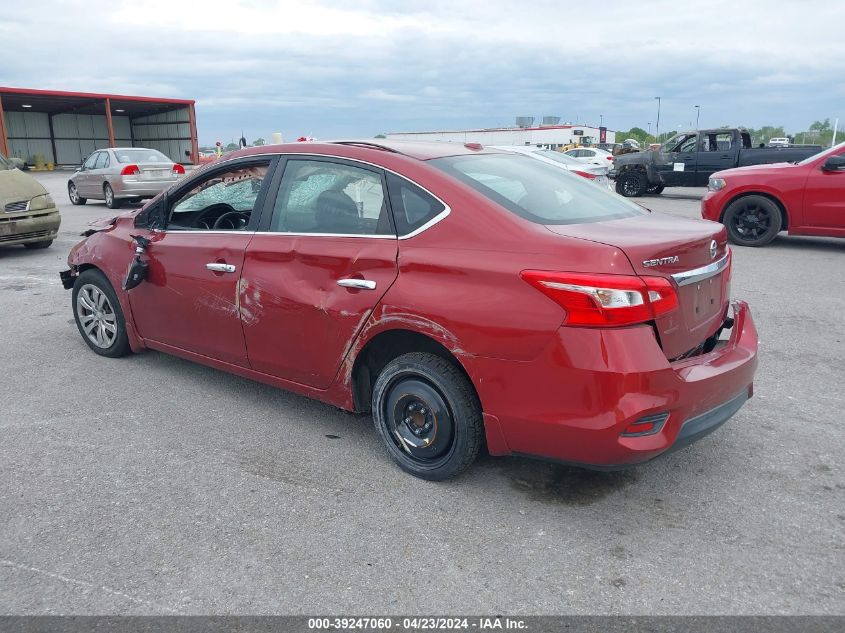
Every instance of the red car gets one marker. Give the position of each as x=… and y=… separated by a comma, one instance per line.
x=463, y=295
x=755, y=203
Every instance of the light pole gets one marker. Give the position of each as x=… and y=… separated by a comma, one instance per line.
x=649, y=129
x=657, y=125
x=697, y=113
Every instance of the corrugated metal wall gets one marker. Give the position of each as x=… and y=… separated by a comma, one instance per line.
x=77, y=135
x=169, y=133
x=29, y=135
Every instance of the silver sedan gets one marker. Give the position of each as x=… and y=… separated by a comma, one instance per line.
x=122, y=173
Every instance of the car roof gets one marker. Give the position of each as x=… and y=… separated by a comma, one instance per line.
x=421, y=150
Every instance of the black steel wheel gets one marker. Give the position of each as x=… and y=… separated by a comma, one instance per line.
x=111, y=201
x=631, y=184
x=428, y=416
x=752, y=221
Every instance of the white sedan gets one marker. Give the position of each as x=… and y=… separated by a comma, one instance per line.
x=591, y=156
x=595, y=173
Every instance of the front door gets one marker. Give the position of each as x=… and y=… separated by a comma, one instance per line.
x=311, y=281
x=824, y=198
x=676, y=162
x=83, y=179
x=190, y=297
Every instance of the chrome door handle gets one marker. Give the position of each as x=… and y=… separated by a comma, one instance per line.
x=221, y=268
x=360, y=284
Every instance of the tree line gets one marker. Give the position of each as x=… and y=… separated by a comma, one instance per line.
x=819, y=133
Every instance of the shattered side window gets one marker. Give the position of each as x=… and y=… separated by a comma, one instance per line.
x=232, y=193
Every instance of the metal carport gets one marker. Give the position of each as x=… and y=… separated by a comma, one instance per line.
x=64, y=127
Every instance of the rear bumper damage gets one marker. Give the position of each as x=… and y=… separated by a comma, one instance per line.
x=610, y=399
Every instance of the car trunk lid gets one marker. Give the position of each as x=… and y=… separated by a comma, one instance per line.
x=693, y=254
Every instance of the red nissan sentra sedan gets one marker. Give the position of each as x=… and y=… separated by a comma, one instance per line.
x=461, y=294
x=805, y=198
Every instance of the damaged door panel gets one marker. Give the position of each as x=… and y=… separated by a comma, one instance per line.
x=305, y=299
x=185, y=304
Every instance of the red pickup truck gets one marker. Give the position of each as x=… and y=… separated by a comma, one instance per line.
x=755, y=203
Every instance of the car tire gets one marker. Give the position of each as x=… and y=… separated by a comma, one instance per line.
x=95, y=307
x=427, y=415
x=752, y=221
x=73, y=194
x=631, y=184
x=108, y=195
x=37, y=245
x=656, y=189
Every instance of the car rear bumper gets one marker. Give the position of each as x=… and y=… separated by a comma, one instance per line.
x=40, y=226
x=577, y=401
x=125, y=188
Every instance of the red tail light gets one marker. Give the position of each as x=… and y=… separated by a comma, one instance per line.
x=130, y=170
x=178, y=169
x=584, y=174
x=609, y=157
x=605, y=300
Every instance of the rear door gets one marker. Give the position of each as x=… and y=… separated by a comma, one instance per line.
x=718, y=151
x=97, y=176
x=677, y=166
x=311, y=280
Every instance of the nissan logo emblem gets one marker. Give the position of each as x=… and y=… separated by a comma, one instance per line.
x=713, y=248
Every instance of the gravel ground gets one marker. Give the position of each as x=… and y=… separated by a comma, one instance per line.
x=152, y=485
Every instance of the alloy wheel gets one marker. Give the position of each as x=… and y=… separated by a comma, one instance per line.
x=752, y=221
x=96, y=316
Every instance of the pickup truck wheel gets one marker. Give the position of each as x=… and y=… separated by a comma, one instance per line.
x=631, y=184
x=656, y=189
x=752, y=221
x=427, y=415
x=98, y=316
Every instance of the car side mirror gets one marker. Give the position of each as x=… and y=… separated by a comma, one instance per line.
x=152, y=216
x=834, y=163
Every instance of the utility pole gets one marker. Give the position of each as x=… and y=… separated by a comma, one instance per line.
x=601, y=120
x=697, y=113
x=657, y=126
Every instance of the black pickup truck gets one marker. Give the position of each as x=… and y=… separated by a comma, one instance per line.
x=689, y=158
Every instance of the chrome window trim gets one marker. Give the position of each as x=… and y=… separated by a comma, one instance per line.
x=699, y=274
x=436, y=219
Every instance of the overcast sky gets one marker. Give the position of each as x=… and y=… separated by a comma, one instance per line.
x=343, y=69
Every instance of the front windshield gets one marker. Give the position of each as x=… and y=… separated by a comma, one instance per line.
x=833, y=151
x=670, y=143
x=560, y=158
x=537, y=191
x=5, y=164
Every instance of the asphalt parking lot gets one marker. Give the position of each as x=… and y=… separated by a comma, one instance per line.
x=152, y=485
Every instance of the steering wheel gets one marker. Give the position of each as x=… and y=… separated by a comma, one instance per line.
x=235, y=220
x=218, y=209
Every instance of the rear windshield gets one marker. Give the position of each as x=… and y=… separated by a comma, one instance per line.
x=560, y=158
x=536, y=191
x=141, y=156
